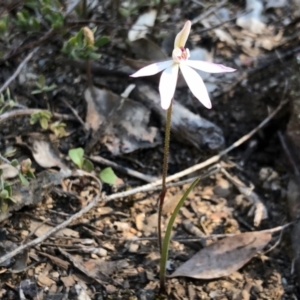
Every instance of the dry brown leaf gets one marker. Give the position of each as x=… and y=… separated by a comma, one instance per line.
x=45, y=155
x=8, y=171
x=224, y=257
x=44, y=280
x=68, y=281
x=125, y=122
x=41, y=229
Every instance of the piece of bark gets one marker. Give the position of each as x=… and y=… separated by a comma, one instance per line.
x=186, y=126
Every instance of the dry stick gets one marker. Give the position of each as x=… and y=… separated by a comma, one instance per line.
x=288, y=153
x=19, y=69
x=144, y=188
x=4, y=159
x=122, y=169
x=208, y=12
x=29, y=111
x=75, y=113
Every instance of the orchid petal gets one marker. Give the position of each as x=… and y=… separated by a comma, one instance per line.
x=153, y=69
x=167, y=85
x=196, y=84
x=208, y=66
x=183, y=35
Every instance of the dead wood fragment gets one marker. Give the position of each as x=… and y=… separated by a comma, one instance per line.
x=186, y=126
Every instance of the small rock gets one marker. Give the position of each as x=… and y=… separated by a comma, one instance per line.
x=139, y=221
x=110, y=289
x=55, y=275
x=133, y=247
x=223, y=189
x=102, y=252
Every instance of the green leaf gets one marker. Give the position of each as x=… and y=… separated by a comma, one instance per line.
x=3, y=206
x=14, y=163
x=49, y=88
x=4, y=194
x=23, y=180
x=30, y=174
x=166, y=241
x=34, y=118
x=36, y=92
x=94, y=55
x=108, y=176
x=124, y=12
x=44, y=123
x=76, y=155
x=102, y=41
x=87, y=165
x=41, y=81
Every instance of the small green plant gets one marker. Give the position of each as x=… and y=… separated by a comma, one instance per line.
x=58, y=128
x=26, y=170
x=25, y=21
x=83, y=46
x=42, y=87
x=42, y=117
x=108, y=176
x=77, y=156
x=23, y=170
x=55, y=18
x=6, y=101
x=51, y=11
x=5, y=194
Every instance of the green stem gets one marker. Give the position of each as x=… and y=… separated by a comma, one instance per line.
x=166, y=243
x=164, y=173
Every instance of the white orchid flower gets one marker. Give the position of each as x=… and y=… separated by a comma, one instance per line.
x=168, y=79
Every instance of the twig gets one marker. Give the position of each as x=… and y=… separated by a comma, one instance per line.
x=75, y=113
x=208, y=12
x=289, y=154
x=258, y=209
x=29, y=111
x=4, y=159
x=19, y=69
x=122, y=169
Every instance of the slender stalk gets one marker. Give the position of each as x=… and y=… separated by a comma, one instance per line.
x=164, y=174
x=166, y=243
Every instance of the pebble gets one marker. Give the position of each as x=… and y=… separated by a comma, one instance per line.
x=102, y=252
x=133, y=247
x=223, y=188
